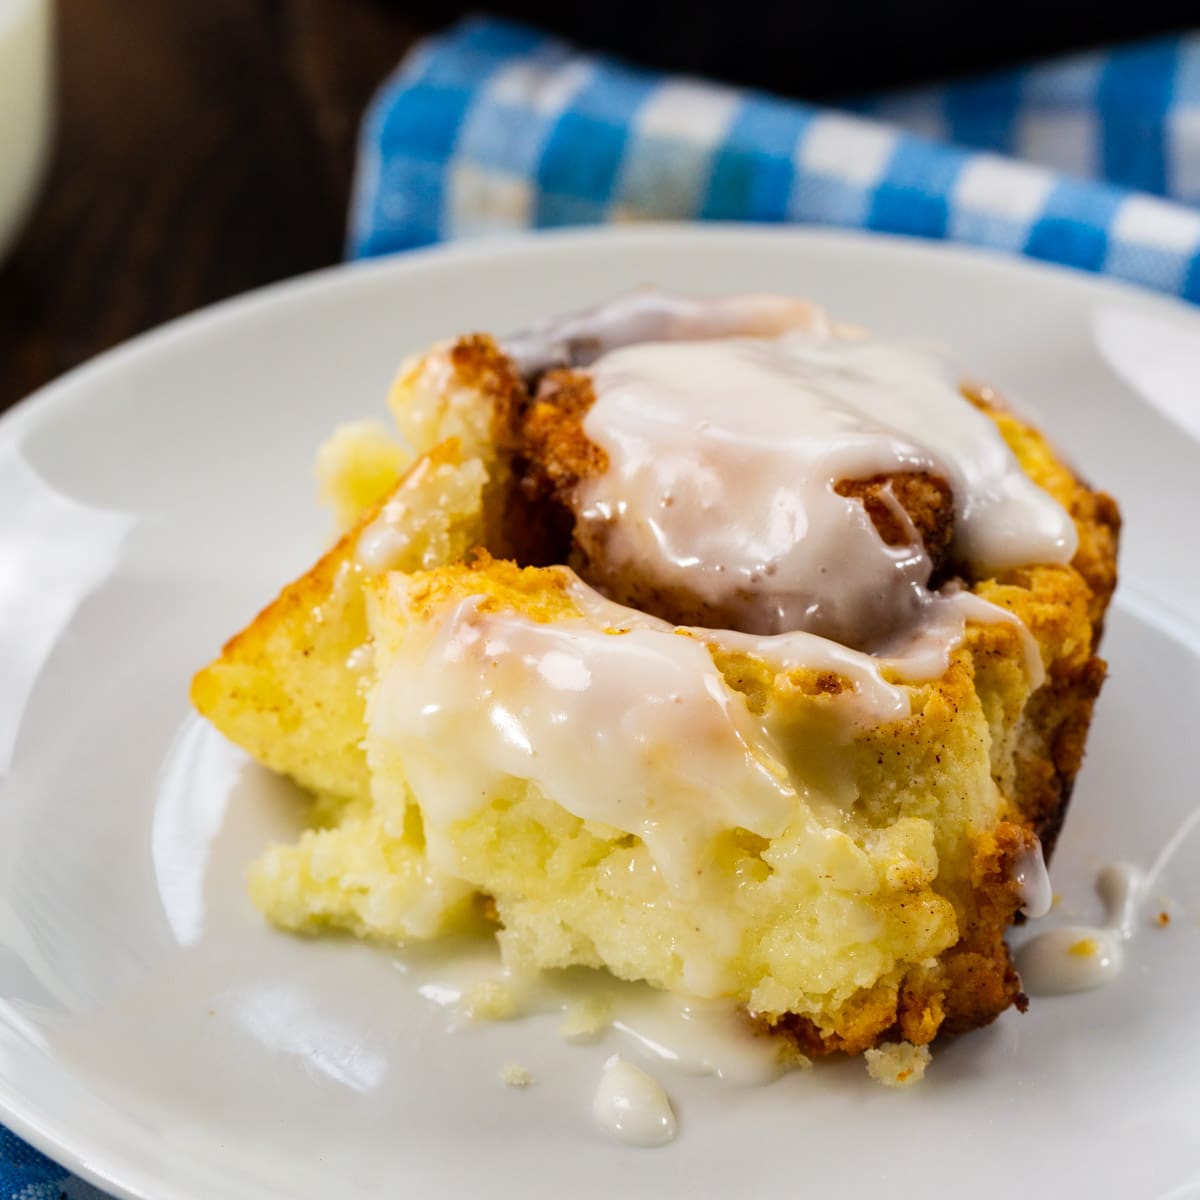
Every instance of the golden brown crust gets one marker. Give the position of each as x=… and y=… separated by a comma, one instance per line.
x=480, y=364
x=314, y=733
x=246, y=679
x=969, y=986
x=981, y=981
x=482, y=367
x=1056, y=720
x=927, y=501
x=1099, y=523
x=864, y=1022
x=550, y=439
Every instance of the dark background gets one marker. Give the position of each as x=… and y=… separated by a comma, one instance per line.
x=206, y=146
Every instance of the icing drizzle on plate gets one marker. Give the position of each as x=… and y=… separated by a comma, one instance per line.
x=1078, y=958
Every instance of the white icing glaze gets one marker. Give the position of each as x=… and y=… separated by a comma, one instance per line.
x=1072, y=958
x=958, y=608
x=632, y=1106
x=723, y=456
x=878, y=700
x=699, y=1037
x=650, y=315
x=627, y=721
x=1078, y=958
x=361, y=659
x=1186, y=828
x=623, y=718
x=384, y=542
x=923, y=652
x=638, y=730
x=691, y=1035
x=1033, y=880
x=921, y=655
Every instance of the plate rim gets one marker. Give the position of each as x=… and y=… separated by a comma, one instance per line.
x=123, y=1177
x=295, y=288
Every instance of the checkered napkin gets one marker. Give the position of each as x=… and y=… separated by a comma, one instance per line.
x=494, y=127
x=27, y=1175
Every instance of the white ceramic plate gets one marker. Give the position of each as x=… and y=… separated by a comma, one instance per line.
x=156, y=1036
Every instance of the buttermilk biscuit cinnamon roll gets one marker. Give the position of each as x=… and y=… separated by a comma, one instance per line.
x=704, y=641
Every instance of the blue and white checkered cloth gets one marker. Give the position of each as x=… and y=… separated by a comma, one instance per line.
x=27, y=1175
x=494, y=127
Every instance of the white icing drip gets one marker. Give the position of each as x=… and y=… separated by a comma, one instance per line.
x=692, y=1035
x=881, y=701
x=361, y=660
x=1164, y=856
x=963, y=606
x=632, y=1105
x=923, y=652
x=723, y=456
x=381, y=545
x=922, y=655
x=1078, y=958
x=650, y=315
x=699, y=1037
x=1033, y=880
x=1072, y=958
x=384, y=542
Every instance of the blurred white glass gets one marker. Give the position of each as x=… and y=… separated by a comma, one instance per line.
x=26, y=107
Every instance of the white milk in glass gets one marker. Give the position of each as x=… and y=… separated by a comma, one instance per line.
x=25, y=107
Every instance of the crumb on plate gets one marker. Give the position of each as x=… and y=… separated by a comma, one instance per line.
x=490, y=1000
x=516, y=1076
x=897, y=1064
x=585, y=1019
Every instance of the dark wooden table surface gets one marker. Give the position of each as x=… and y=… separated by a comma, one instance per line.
x=204, y=147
